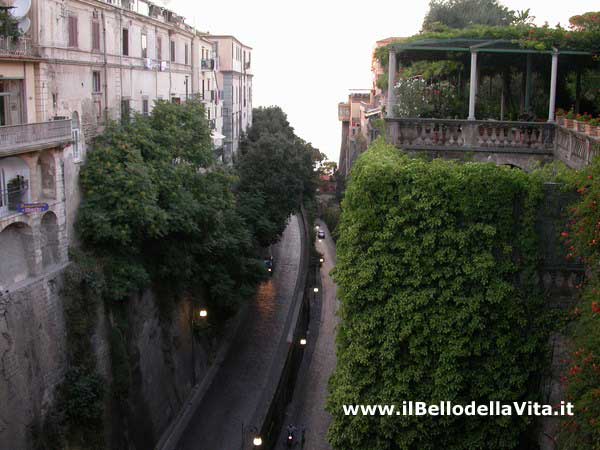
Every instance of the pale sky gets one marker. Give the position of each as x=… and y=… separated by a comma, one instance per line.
x=308, y=54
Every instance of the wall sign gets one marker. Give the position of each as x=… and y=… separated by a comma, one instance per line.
x=32, y=207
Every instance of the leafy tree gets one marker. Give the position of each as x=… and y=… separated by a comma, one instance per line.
x=151, y=213
x=466, y=13
x=589, y=21
x=276, y=174
x=436, y=268
x=8, y=24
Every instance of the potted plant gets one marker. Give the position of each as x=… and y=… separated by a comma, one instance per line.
x=593, y=127
x=560, y=116
x=582, y=120
x=570, y=119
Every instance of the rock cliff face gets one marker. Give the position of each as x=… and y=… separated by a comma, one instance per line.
x=33, y=363
x=165, y=363
x=32, y=355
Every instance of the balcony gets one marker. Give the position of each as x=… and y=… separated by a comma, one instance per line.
x=574, y=148
x=17, y=139
x=344, y=112
x=10, y=46
x=207, y=64
x=472, y=135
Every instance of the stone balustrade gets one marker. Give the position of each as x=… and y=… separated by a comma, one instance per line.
x=471, y=135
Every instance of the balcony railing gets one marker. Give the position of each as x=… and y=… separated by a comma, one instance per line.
x=344, y=112
x=574, y=148
x=16, y=46
x=207, y=64
x=471, y=135
x=16, y=139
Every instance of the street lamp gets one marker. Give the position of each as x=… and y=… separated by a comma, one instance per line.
x=303, y=341
x=203, y=313
x=256, y=440
x=315, y=290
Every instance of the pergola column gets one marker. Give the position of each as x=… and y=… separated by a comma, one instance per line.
x=391, y=98
x=553, y=77
x=473, y=86
x=528, y=84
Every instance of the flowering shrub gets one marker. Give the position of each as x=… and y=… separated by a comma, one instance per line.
x=417, y=98
x=582, y=380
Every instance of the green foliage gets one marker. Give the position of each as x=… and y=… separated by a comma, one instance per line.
x=416, y=98
x=276, y=174
x=436, y=268
x=582, y=380
x=77, y=416
x=465, y=13
x=152, y=213
x=8, y=25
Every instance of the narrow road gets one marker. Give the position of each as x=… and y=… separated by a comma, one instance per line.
x=307, y=409
x=231, y=399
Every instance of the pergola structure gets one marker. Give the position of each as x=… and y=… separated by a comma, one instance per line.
x=440, y=49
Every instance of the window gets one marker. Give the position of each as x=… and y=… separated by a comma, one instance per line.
x=186, y=54
x=54, y=101
x=144, y=45
x=176, y=100
x=203, y=89
x=95, y=36
x=145, y=107
x=76, y=144
x=96, y=84
x=125, y=110
x=125, y=40
x=73, y=31
x=172, y=51
x=159, y=48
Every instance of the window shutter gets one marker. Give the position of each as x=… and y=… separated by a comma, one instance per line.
x=95, y=36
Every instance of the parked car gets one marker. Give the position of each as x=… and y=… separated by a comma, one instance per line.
x=321, y=234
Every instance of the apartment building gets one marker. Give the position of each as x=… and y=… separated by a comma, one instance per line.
x=235, y=81
x=77, y=65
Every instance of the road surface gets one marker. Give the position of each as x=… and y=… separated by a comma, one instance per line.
x=231, y=400
x=307, y=408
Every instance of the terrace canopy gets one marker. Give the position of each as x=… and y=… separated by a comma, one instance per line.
x=505, y=52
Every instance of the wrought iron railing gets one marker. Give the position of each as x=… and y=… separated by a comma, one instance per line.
x=207, y=64
x=19, y=138
x=16, y=46
x=426, y=134
x=14, y=194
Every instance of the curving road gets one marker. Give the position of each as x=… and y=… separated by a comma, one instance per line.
x=231, y=399
x=307, y=408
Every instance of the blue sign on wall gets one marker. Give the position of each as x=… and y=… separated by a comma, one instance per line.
x=32, y=207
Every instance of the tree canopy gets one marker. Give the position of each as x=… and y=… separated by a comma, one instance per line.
x=277, y=173
x=151, y=213
x=466, y=13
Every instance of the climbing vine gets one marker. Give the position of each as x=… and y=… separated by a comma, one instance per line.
x=436, y=269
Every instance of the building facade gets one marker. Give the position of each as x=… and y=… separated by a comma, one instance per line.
x=78, y=65
x=235, y=81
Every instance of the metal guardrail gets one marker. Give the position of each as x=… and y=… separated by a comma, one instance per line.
x=16, y=139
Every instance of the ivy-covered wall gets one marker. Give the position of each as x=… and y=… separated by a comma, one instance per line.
x=440, y=301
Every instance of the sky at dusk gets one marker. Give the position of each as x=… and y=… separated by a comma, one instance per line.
x=307, y=55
